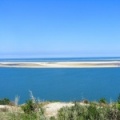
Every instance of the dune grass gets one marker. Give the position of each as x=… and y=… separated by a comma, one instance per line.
x=34, y=110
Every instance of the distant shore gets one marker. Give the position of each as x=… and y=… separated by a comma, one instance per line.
x=92, y=64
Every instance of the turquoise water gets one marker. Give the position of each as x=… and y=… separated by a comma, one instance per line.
x=60, y=84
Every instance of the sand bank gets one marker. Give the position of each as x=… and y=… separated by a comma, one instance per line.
x=61, y=64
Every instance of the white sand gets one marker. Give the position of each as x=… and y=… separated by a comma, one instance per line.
x=61, y=64
x=52, y=109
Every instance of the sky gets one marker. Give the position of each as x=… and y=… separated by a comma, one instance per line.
x=59, y=28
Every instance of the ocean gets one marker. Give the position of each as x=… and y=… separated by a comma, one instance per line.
x=60, y=84
x=77, y=59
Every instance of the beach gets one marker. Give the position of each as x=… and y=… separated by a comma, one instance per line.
x=92, y=64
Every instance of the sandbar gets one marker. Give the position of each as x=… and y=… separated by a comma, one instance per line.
x=61, y=64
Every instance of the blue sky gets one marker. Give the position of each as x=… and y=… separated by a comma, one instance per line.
x=59, y=28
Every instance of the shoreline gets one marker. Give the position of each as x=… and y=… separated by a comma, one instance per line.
x=93, y=64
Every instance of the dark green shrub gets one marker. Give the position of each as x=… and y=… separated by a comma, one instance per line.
x=93, y=113
x=118, y=99
x=33, y=111
x=103, y=100
x=52, y=118
x=29, y=107
x=85, y=101
x=118, y=103
x=72, y=113
x=118, y=106
x=4, y=101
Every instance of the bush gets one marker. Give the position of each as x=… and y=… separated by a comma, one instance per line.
x=29, y=107
x=89, y=112
x=85, y=101
x=103, y=100
x=72, y=113
x=33, y=111
x=118, y=99
x=4, y=101
x=52, y=118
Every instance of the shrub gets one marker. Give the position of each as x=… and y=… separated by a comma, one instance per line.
x=4, y=101
x=29, y=107
x=52, y=118
x=72, y=113
x=118, y=99
x=89, y=112
x=85, y=101
x=103, y=100
x=33, y=111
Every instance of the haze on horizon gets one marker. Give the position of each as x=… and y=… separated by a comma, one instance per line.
x=59, y=28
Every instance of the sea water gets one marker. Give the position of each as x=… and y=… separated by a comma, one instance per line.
x=77, y=59
x=60, y=84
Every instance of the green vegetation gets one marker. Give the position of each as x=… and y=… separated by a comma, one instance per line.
x=34, y=110
x=31, y=110
x=29, y=107
x=89, y=112
x=4, y=101
x=103, y=100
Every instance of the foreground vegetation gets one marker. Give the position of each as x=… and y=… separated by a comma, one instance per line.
x=34, y=110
